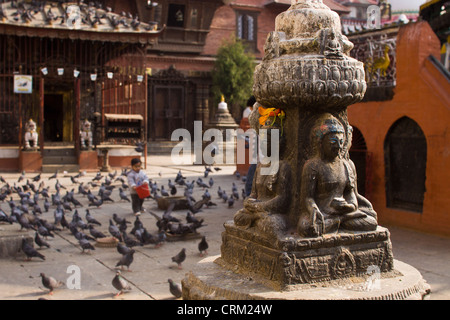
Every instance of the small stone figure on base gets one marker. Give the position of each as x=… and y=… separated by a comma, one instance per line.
x=31, y=136
x=329, y=196
x=86, y=135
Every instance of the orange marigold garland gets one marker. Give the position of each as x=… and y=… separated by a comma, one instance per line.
x=271, y=112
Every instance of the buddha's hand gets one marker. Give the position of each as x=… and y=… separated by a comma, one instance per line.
x=252, y=204
x=342, y=206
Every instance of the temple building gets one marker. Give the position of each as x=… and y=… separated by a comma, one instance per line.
x=63, y=63
x=400, y=129
x=149, y=60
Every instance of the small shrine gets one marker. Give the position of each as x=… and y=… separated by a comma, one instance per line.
x=305, y=232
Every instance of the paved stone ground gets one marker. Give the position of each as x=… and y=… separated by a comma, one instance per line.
x=152, y=267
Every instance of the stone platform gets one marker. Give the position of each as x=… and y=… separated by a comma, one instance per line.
x=295, y=260
x=211, y=281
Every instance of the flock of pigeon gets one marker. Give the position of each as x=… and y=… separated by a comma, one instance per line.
x=28, y=214
x=92, y=14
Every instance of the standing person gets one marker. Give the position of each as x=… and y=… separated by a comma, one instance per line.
x=136, y=177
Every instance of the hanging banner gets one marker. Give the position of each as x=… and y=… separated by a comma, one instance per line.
x=23, y=84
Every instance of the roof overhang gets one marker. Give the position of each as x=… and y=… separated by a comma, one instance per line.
x=75, y=22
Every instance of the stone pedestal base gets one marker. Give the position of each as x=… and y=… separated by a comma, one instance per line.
x=295, y=260
x=210, y=281
x=30, y=161
x=88, y=160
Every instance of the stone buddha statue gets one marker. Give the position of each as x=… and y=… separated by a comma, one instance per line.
x=329, y=199
x=266, y=207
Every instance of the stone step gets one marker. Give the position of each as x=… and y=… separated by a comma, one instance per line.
x=51, y=168
x=53, y=152
x=59, y=160
x=161, y=147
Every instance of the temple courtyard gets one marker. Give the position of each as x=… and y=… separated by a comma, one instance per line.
x=152, y=266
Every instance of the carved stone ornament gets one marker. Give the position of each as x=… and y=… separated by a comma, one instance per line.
x=86, y=135
x=307, y=62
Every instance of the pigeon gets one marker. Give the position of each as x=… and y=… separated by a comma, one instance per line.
x=123, y=196
x=54, y=176
x=95, y=233
x=96, y=203
x=46, y=205
x=85, y=245
x=50, y=283
x=122, y=249
x=30, y=252
x=22, y=176
x=40, y=242
x=120, y=284
x=24, y=222
x=175, y=289
x=126, y=260
x=179, y=258
x=91, y=220
x=203, y=246
x=114, y=231
x=164, y=193
x=140, y=147
x=118, y=219
x=43, y=231
x=4, y=217
x=130, y=242
x=230, y=202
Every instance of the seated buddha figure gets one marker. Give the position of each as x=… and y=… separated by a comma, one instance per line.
x=329, y=199
x=265, y=209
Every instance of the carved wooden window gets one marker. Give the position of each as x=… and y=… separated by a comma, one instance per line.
x=246, y=28
x=176, y=15
x=406, y=161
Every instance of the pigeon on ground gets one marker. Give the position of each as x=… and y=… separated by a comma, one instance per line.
x=95, y=233
x=179, y=258
x=126, y=260
x=123, y=195
x=119, y=220
x=175, y=288
x=30, y=252
x=96, y=203
x=114, y=231
x=4, y=217
x=50, y=283
x=122, y=249
x=54, y=176
x=130, y=242
x=120, y=284
x=230, y=202
x=203, y=246
x=86, y=245
x=90, y=219
x=40, y=242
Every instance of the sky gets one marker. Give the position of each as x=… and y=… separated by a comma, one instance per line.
x=406, y=4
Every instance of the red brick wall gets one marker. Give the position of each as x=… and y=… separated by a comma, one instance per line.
x=223, y=25
x=422, y=94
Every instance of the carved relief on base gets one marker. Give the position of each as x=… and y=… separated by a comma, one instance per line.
x=291, y=260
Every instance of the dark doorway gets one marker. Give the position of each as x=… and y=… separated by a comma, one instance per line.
x=358, y=154
x=53, y=117
x=406, y=163
x=168, y=111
